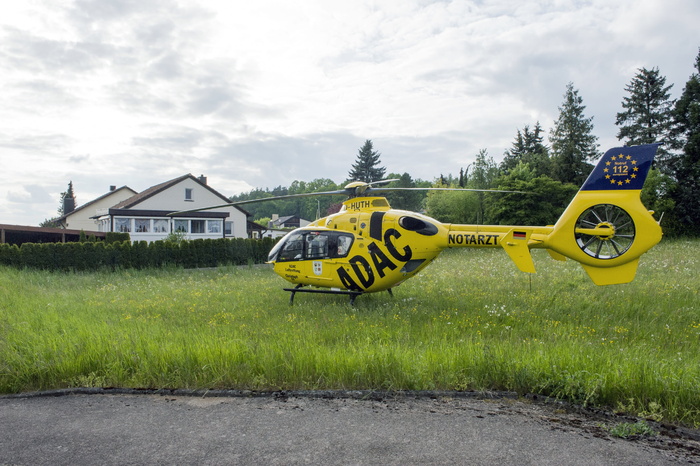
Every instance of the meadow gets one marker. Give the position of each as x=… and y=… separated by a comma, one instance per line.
x=470, y=321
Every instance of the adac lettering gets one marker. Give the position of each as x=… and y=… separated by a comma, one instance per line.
x=381, y=259
x=467, y=238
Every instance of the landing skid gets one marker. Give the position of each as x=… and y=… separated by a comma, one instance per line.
x=299, y=289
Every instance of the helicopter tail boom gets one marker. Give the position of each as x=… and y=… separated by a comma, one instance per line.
x=605, y=227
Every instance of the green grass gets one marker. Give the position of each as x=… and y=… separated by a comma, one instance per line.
x=628, y=429
x=470, y=321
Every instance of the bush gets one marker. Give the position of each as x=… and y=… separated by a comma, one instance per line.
x=116, y=237
x=123, y=254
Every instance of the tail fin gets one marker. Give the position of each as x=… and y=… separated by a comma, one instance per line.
x=606, y=227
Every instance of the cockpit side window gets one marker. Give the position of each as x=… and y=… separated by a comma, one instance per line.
x=293, y=248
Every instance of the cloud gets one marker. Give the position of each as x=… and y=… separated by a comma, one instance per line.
x=135, y=92
x=29, y=194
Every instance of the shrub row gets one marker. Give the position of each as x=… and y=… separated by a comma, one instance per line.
x=139, y=255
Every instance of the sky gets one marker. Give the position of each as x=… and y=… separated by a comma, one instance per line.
x=262, y=93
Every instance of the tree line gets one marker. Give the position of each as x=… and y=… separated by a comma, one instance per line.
x=553, y=170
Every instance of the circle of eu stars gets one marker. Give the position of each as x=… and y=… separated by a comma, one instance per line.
x=620, y=169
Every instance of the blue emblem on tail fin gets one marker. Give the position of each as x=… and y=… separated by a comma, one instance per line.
x=621, y=168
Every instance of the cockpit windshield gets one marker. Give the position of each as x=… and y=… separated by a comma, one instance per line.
x=311, y=245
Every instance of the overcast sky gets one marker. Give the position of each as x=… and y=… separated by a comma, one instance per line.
x=262, y=93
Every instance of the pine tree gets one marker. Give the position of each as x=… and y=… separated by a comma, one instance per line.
x=484, y=174
x=573, y=144
x=528, y=148
x=647, y=114
x=67, y=200
x=686, y=167
x=366, y=166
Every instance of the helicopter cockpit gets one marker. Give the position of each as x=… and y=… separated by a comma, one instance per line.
x=311, y=245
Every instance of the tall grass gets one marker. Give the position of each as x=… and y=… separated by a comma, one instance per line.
x=470, y=321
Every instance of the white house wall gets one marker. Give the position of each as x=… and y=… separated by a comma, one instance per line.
x=174, y=198
x=80, y=219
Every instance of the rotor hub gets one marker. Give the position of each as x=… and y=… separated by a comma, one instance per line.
x=606, y=226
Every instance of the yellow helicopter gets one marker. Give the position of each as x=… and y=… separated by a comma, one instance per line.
x=368, y=246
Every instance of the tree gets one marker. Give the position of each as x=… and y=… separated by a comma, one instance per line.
x=405, y=199
x=529, y=148
x=484, y=174
x=67, y=201
x=452, y=206
x=66, y=205
x=686, y=167
x=647, y=113
x=460, y=206
x=544, y=203
x=366, y=167
x=573, y=144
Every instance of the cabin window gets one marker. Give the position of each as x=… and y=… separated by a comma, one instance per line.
x=312, y=245
x=188, y=194
x=316, y=246
x=228, y=228
x=344, y=243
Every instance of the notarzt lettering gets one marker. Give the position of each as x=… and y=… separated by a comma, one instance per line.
x=465, y=238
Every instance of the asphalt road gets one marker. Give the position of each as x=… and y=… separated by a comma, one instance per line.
x=155, y=429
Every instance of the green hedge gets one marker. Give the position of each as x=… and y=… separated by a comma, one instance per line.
x=138, y=255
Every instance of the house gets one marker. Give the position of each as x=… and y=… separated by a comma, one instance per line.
x=145, y=215
x=81, y=218
x=280, y=226
x=290, y=221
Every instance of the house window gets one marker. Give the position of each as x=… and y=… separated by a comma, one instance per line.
x=142, y=225
x=181, y=226
x=214, y=226
x=228, y=228
x=188, y=194
x=197, y=226
x=122, y=225
x=160, y=226
x=103, y=225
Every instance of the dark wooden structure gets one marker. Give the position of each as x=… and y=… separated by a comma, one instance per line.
x=18, y=234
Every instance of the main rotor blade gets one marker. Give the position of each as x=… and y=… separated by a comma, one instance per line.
x=262, y=199
x=380, y=182
x=387, y=190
